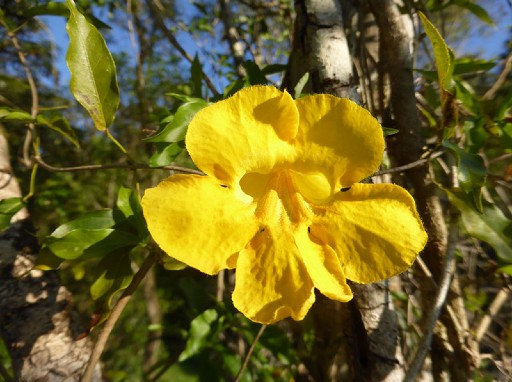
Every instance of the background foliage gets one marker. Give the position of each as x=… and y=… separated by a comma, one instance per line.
x=180, y=325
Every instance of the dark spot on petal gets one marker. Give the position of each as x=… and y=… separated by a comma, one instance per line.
x=223, y=185
x=345, y=189
x=262, y=230
x=309, y=229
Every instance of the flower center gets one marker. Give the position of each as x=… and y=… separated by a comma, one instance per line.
x=284, y=196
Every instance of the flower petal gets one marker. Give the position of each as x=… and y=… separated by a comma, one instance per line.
x=339, y=138
x=323, y=267
x=374, y=229
x=198, y=222
x=248, y=132
x=272, y=282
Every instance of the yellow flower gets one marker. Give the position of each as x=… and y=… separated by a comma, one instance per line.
x=280, y=202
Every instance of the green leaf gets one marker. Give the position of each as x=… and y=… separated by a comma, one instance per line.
x=74, y=243
x=196, y=76
x=47, y=261
x=90, y=220
x=8, y=114
x=128, y=203
x=444, y=57
x=8, y=208
x=165, y=154
x=93, y=72
x=475, y=9
x=389, y=131
x=297, y=90
x=254, y=75
x=466, y=95
x=491, y=226
x=61, y=126
x=59, y=9
x=273, y=69
x=176, y=129
x=115, y=274
x=471, y=173
x=116, y=240
x=472, y=65
x=200, y=331
x=171, y=264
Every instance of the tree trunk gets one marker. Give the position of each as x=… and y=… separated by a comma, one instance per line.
x=37, y=323
x=355, y=341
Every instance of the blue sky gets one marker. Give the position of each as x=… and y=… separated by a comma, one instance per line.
x=484, y=41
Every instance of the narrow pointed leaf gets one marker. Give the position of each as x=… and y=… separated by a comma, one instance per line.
x=93, y=72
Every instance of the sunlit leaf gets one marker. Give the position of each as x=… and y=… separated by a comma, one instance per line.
x=444, y=57
x=297, y=90
x=8, y=114
x=200, y=331
x=74, y=243
x=8, y=208
x=471, y=173
x=491, y=226
x=128, y=203
x=93, y=73
x=90, y=220
x=176, y=130
x=389, y=131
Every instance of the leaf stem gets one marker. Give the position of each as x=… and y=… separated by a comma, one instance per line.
x=116, y=142
x=114, y=316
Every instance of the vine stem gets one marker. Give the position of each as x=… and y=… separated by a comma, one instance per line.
x=249, y=353
x=444, y=285
x=114, y=316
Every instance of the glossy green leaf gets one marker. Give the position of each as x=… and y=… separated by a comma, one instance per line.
x=445, y=60
x=491, y=226
x=74, y=243
x=115, y=240
x=61, y=126
x=200, y=332
x=128, y=204
x=176, y=130
x=8, y=114
x=507, y=269
x=298, y=89
x=91, y=220
x=8, y=208
x=165, y=154
x=93, y=73
x=389, y=131
x=471, y=173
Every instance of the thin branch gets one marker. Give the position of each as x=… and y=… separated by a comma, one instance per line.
x=33, y=91
x=114, y=316
x=444, y=285
x=491, y=93
x=249, y=353
x=496, y=305
x=128, y=166
x=500, y=158
x=411, y=165
x=155, y=12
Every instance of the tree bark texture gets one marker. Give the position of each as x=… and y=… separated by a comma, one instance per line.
x=37, y=323
x=355, y=341
x=407, y=146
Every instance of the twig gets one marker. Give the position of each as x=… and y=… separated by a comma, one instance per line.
x=500, y=158
x=496, y=305
x=129, y=166
x=249, y=353
x=33, y=92
x=114, y=316
x=491, y=93
x=155, y=12
x=411, y=165
x=444, y=285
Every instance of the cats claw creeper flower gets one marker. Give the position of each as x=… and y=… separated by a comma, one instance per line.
x=280, y=202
